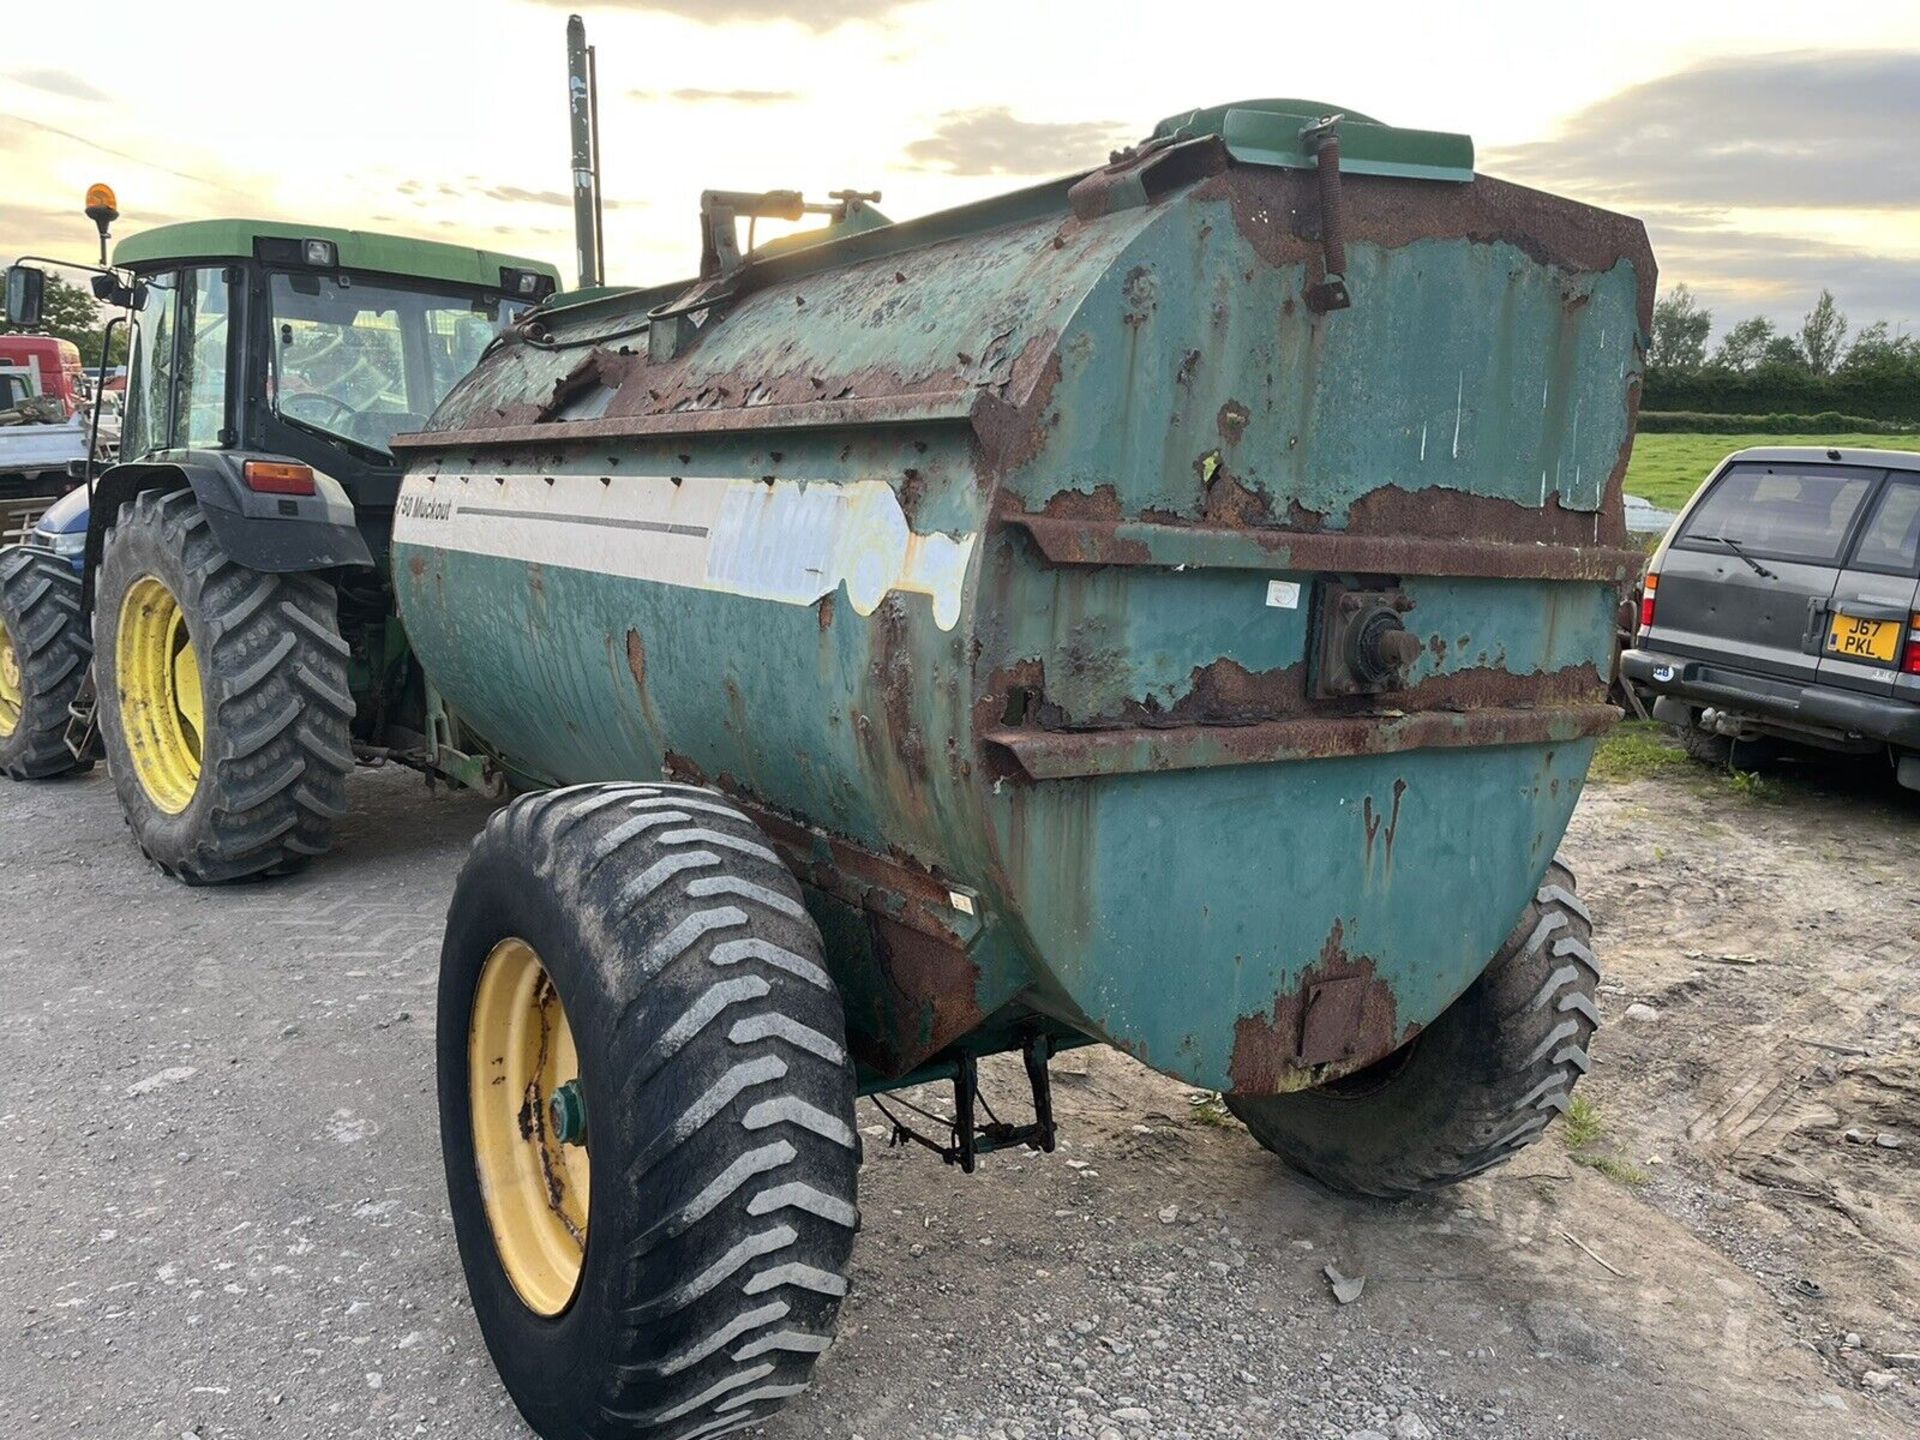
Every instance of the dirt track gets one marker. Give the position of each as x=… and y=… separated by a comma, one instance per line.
x=224, y=1216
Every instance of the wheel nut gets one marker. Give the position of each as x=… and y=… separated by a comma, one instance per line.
x=567, y=1114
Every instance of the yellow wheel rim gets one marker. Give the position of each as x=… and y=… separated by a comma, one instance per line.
x=162, y=710
x=12, y=695
x=519, y=1053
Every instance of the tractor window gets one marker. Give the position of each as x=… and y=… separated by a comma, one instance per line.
x=150, y=374
x=203, y=359
x=367, y=360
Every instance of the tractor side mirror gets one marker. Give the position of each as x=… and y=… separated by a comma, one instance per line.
x=26, y=295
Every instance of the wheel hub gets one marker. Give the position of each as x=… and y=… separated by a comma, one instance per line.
x=567, y=1114
x=162, y=706
x=529, y=1126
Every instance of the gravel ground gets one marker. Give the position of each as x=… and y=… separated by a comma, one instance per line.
x=220, y=1176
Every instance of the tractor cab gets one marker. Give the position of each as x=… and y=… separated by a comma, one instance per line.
x=213, y=612
x=314, y=345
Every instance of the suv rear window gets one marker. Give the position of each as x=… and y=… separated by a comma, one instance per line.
x=1891, y=540
x=1784, y=512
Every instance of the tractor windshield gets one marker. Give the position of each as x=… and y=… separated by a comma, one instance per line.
x=367, y=360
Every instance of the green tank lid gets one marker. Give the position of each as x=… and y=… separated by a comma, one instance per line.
x=1268, y=132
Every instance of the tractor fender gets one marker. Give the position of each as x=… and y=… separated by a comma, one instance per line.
x=275, y=534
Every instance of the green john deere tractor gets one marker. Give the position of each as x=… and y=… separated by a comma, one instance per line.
x=214, y=612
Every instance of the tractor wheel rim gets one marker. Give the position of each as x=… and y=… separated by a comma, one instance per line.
x=12, y=693
x=162, y=704
x=520, y=1053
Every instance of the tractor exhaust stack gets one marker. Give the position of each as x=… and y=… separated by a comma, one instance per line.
x=583, y=111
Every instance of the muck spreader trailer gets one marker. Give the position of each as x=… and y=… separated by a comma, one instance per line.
x=214, y=611
x=1169, y=607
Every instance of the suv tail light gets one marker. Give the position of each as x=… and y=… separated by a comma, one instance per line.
x=1910, y=656
x=269, y=477
x=1648, y=587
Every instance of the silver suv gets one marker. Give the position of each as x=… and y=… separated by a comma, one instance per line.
x=1784, y=605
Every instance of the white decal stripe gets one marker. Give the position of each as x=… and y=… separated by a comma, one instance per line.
x=782, y=540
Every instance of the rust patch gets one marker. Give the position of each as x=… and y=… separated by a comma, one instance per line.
x=1393, y=822
x=682, y=768
x=1232, y=421
x=416, y=565
x=1530, y=555
x=1394, y=213
x=585, y=376
x=893, y=676
x=637, y=660
x=1100, y=503
x=1340, y=1014
x=1223, y=693
x=1299, y=517
x=825, y=613
x=913, y=486
x=1011, y=695
x=1010, y=434
x=1053, y=755
x=927, y=998
x=1225, y=500
x=1227, y=694
x=1390, y=510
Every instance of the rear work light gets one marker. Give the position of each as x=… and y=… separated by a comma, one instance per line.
x=1910, y=655
x=272, y=477
x=525, y=284
x=1651, y=584
x=283, y=250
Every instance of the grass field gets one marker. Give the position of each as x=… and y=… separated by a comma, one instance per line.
x=1668, y=468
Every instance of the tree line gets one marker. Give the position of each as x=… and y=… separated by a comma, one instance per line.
x=1757, y=369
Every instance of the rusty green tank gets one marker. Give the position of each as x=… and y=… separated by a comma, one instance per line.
x=1169, y=607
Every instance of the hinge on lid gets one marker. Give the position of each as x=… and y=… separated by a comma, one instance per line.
x=1322, y=140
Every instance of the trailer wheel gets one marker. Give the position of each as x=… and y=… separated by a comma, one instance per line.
x=223, y=698
x=646, y=1113
x=1479, y=1084
x=44, y=652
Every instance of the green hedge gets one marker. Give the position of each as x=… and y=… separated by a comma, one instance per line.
x=1827, y=422
x=1776, y=390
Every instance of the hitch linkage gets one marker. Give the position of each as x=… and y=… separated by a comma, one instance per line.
x=971, y=1140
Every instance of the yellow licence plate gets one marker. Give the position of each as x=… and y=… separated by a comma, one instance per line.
x=1852, y=638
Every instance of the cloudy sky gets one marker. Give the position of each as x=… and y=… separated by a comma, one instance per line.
x=1769, y=156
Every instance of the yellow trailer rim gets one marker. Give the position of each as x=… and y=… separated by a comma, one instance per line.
x=12, y=694
x=162, y=709
x=534, y=1181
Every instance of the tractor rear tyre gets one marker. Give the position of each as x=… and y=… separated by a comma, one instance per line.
x=223, y=699
x=1474, y=1088
x=646, y=1113
x=44, y=652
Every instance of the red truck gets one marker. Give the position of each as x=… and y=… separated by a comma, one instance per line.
x=56, y=362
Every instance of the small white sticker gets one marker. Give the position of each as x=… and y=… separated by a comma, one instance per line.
x=1662, y=674
x=961, y=901
x=1283, y=594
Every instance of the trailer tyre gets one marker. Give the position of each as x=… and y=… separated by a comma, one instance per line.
x=224, y=704
x=44, y=653
x=646, y=1113
x=1477, y=1086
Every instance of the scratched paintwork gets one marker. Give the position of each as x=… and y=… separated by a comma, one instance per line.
x=1152, y=367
